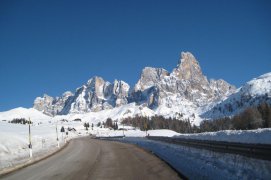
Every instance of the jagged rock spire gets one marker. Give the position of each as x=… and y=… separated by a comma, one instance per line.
x=188, y=68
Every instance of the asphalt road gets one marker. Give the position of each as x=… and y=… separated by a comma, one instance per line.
x=86, y=158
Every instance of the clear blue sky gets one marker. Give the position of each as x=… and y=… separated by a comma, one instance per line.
x=51, y=46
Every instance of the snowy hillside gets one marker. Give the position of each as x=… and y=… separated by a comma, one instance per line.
x=129, y=110
x=20, y=112
x=253, y=93
x=117, y=113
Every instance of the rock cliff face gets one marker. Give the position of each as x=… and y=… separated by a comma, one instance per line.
x=50, y=105
x=156, y=89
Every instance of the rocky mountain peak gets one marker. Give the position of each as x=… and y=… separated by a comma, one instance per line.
x=187, y=56
x=120, y=92
x=156, y=86
x=185, y=88
x=188, y=67
x=67, y=94
x=95, y=82
x=120, y=88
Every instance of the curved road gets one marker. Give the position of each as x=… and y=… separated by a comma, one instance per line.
x=86, y=158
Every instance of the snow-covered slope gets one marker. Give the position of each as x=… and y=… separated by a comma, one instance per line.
x=20, y=112
x=253, y=93
x=117, y=113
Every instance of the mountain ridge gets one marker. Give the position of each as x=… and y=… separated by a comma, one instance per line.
x=156, y=89
x=184, y=93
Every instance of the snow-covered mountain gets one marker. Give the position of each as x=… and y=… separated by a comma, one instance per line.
x=96, y=95
x=186, y=82
x=177, y=93
x=253, y=93
x=182, y=93
x=50, y=105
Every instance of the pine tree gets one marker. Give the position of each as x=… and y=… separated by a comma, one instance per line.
x=109, y=122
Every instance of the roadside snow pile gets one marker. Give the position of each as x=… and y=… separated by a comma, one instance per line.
x=162, y=132
x=203, y=164
x=258, y=136
x=135, y=133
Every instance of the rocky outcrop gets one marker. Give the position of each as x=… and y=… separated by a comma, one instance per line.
x=95, y=95
x=121, y=92
x=50, y=105
x=150, y=77
x=189, y=69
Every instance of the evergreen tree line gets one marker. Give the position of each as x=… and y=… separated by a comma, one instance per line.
x=86, y=125
x=251, y=118
x=110, y=124
x=20, y=121
x=160, y=122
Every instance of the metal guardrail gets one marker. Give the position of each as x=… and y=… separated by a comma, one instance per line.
x=109, y=137
x=259, y=151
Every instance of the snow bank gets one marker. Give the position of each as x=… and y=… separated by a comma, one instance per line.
x=258, y=136
x=203, y=164
x=135, y=133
